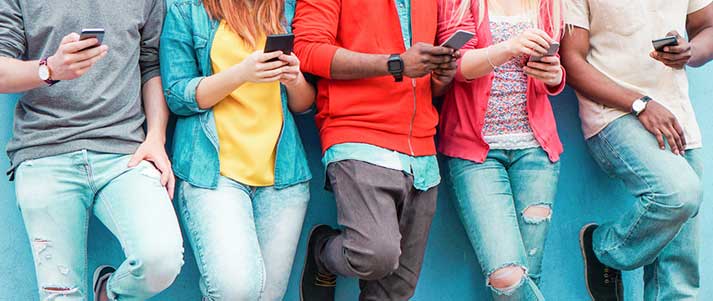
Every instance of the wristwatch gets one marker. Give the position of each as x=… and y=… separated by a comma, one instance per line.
x=396, y=67
x=639, y=105
x=45, y=73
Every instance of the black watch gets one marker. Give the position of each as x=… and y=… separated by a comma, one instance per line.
x=396, y=67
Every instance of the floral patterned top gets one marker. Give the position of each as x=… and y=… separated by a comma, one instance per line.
x=507, y=125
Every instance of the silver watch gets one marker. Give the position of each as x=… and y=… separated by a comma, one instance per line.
x=639, y=105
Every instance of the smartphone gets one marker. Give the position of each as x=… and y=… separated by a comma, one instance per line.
x=554, y=47
x=458, y=39
x=89, y=33
x=659, y=44
x=279, y=42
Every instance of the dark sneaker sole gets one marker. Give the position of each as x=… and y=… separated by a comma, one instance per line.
x=584, y=257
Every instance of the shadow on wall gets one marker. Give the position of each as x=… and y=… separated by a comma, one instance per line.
x=450, y=271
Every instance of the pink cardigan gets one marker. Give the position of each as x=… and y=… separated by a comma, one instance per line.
x=466, y=102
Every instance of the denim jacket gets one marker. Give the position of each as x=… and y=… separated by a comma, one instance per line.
x=186, y=42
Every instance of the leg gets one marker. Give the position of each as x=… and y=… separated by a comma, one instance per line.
x=668, y=189
x=674, y=275
x=135, y=207
x=279, y=215
x=366, y=195
x=415, y=215
x=222, y=233
x=533, y=179
x=54, y=196
x=485, y=204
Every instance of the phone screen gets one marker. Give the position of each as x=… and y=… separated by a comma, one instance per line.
x=663, y=42
x=97, y=33
x=554, y=47
x=280, y=42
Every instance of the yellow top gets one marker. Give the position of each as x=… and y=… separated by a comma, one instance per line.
x=249, y=120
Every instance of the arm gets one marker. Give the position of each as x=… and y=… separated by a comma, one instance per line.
x=700, y=28
x=697, y=52
x=315, y=27
x=69, y=62
x=594, y=85
x=153, y=149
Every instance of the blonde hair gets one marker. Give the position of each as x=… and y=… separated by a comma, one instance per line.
x=556, y=12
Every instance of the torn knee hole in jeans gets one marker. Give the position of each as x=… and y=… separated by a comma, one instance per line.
x=536, y=214
x=507, y=279
x=55, y=291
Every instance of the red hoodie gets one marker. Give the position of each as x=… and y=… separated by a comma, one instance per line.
x=465, y=104
x=376, y=111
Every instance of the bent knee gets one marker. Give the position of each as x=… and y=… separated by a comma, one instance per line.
x=683, y=195
x=377, y=261
x=227, y=290
x=158, y=270
x=507, y=279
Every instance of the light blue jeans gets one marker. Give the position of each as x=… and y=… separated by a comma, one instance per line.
x=660, y=231
x=244, y=238
x=58, y=194
x=492, y=198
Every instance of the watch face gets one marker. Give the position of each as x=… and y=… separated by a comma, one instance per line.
x=44, y=72
x=395, y=65
x=639, y=105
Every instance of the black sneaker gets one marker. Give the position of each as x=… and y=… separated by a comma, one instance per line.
x=603, y=283
x=317, y=283
x=101, y=276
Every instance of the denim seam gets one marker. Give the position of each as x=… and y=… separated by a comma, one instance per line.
x=198, y=245
x=119, y=235
x=646, y=205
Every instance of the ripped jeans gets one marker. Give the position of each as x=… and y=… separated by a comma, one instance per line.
x=57, y=195
x=505, y=206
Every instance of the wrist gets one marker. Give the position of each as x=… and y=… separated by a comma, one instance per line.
x=238, y=74
x=640, y=104
x=156, y=136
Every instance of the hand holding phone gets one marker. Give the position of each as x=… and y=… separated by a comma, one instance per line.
x=457, y=40
x=280, y=42
x=95, y=33
x=551, y=51
x=673, y=50
x=74, y=57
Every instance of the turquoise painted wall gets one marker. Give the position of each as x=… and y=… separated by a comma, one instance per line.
x=450, y=271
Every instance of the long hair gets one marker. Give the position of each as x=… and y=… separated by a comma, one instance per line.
x=249, y=19
x=555, y=9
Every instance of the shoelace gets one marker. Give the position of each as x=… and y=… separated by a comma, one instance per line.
x=325, y=280
x=609, y=276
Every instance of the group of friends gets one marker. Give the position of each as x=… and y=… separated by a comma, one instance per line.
x=89, y=138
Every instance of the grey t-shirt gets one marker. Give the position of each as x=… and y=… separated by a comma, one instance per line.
x=101, y=111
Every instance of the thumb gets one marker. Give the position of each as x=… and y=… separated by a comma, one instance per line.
x=70, y=38
x=135, y=159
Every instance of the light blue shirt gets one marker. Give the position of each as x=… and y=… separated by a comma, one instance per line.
x=423, y=169
x=404, y=9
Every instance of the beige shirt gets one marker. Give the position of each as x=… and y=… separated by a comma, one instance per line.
x=620, y=38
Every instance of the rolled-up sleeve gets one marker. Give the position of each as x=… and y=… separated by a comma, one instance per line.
x=577, y=13
x=315, y=28
x=179, y=64
x=150, y=37
x=12, y=30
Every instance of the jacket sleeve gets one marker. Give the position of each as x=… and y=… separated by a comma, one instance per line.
x=449, y=22
x=315, y=27
x=179, y=64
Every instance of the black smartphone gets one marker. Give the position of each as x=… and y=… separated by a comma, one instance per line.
x=279, y=42
x=89, y=33
x=458, y=39
x=554, y=47
x=659, y=44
